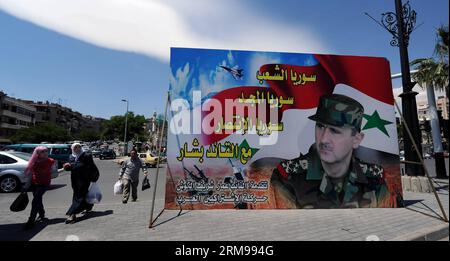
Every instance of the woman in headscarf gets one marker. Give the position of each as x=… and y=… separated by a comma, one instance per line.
x=40, y=167
x=81, y=166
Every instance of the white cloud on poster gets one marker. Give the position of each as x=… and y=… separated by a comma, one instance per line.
x=180, y=81
x=255, y=62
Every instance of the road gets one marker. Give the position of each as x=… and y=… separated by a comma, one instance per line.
x=60, y=193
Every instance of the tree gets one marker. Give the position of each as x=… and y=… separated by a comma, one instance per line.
x=441, y=51
x=88, y=135
x=47, y=132
x=115, y=127
x=433, y=73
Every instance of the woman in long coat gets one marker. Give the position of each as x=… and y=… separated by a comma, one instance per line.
x=83, y=172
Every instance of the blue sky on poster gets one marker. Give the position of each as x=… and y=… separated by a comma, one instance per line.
x=89, y=54
x=199, y=70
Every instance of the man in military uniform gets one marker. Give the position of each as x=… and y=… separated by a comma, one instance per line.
x=329, y=175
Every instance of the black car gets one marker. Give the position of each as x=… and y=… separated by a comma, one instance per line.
x=107, y=154
x=96, y=153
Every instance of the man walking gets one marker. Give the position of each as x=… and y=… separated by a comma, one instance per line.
x=129, y=174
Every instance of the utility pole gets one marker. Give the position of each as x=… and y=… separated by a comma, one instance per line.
x=125, y=145
x=401, y=24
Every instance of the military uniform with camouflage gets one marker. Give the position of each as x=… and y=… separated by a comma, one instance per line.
x=303, y=183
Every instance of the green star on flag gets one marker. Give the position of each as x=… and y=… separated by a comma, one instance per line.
x=244, y=144
x=374, y=121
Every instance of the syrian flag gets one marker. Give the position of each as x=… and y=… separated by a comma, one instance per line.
x=365, y=79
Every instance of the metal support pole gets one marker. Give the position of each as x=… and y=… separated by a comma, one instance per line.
x=423, y=164
x=157, y=163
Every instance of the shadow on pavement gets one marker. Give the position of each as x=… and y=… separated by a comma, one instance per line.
x=15, y=232
x=170, y=219
x=56, y=186
x=411, y=202
x=422, y=208
x=94, y=214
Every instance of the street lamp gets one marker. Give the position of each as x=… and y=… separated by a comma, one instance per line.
x=125, y=136
x=401, y=24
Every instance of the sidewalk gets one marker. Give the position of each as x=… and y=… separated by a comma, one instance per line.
x=418, y=221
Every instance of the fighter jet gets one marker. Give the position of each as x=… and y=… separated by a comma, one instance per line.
x=235, y=72
x=194, y=177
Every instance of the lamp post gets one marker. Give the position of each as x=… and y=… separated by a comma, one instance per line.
x=125, y=136
x=401, y=24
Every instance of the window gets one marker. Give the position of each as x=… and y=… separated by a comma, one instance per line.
x=27, y=150
x=6, y=160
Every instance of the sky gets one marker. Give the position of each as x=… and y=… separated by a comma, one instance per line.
x=91, y=54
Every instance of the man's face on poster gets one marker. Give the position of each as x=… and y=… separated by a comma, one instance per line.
x=334, y=144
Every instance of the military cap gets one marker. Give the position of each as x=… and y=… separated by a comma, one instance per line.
x=339, y=110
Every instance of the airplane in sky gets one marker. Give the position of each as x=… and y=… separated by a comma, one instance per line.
x=235, y=72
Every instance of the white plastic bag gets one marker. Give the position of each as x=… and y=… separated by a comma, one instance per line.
x=94, y=194
x=118, y=187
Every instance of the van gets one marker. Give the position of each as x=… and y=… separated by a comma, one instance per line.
x=59, y=152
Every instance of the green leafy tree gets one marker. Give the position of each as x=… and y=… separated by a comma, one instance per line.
x=88, y=135
x=115, y=127
x=432, y=73
x=48, y=132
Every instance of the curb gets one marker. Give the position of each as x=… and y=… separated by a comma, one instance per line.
x=426, y=234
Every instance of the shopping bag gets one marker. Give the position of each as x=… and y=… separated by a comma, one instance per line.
x=118, y=187
x=20, y=203
x=94, y=194
x=145, y=184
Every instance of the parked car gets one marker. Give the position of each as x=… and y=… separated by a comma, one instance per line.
x=59, y=152
x=107, y=154
x=427, y=156
x=96, y=153
x=12, y=167
x=148, y=158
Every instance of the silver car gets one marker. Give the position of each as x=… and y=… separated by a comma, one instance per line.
x=12, y=167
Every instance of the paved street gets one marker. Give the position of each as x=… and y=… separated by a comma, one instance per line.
x=112, y=220
x=58, y=199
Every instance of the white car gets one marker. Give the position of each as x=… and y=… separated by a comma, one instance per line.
x=12, y=167
x=427, y=156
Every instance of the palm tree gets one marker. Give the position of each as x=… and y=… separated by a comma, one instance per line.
x=441, y=51
x=433, y=73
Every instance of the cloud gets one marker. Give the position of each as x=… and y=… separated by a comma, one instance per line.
x=179, y=81
x=152, y=27
x=255, y=63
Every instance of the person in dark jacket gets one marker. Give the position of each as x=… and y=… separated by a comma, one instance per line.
x=40, y=167
x=83, y=172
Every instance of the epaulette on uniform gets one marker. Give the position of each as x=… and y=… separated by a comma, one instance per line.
x=296, y=166
x=371, y=171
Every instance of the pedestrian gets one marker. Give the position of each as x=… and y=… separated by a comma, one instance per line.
x=40, y=167
x=129, y=174
x=83, y=172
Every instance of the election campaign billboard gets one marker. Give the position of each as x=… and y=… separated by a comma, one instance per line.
x=268, y=130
